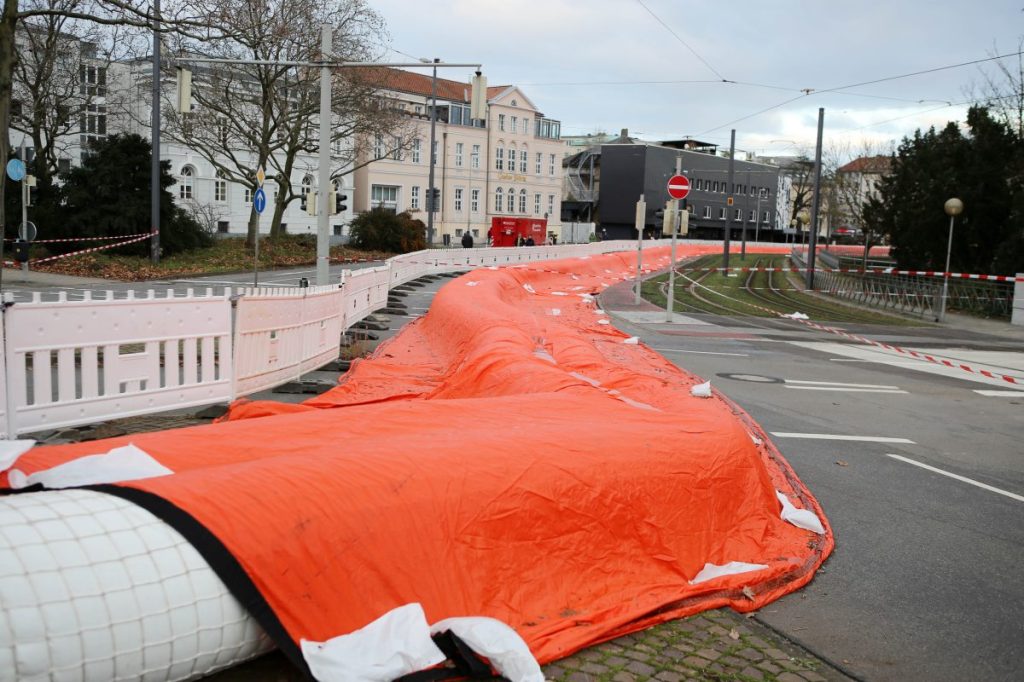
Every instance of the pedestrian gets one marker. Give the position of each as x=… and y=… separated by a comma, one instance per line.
x=467, y=240
x=529, y=240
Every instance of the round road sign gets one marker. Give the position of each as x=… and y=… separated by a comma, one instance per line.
x=16, y=169
x=678, y=186
x=27, y=231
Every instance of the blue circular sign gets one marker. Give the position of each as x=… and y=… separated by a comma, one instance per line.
x=259, y=200
x=16, y=170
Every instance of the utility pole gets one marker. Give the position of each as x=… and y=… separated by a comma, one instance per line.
x=323, y=237
x=812, y=237
x=154, y=123
x=728, y=215
x=431, y=204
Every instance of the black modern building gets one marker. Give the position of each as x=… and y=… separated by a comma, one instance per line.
x=627, y=169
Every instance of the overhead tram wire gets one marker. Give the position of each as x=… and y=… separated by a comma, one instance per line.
x=683, y=42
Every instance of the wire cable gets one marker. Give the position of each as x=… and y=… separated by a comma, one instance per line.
x=682, y=42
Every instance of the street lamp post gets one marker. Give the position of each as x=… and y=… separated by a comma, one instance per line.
x=953, y=208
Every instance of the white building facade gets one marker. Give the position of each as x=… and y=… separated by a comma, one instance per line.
x=510, y=165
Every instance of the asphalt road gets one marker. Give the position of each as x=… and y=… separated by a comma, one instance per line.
x=926, y=582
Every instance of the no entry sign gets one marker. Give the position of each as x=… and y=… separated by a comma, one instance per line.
x=678, y=186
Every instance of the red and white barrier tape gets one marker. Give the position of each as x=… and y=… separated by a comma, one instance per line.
x=862, y=339
x=873, y=271
x=82, y=239
x=96, y=248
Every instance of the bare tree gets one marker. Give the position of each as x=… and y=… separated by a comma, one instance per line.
x=177, y=15
x=250, y=116
x=1002, y=90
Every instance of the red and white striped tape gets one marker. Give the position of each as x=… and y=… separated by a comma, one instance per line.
x=873, y=271
x=96, y=248
x=905, y=351
x=82, y=239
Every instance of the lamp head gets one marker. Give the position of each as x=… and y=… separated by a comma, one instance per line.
x=954, y=207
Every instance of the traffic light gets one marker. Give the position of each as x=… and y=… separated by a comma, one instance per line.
x=339, y=202
x=31, y=190
x=669, y=224
x=21, y=250
x=308, y=202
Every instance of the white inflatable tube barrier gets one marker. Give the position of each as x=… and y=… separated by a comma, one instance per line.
x=96, y=588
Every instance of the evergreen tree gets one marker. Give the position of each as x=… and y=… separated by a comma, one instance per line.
x=109, y=195
x=983, y=169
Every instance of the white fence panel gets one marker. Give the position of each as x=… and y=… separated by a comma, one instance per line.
x=5, y=427
x=78, y=362
x=281, y=333
x=365, y=291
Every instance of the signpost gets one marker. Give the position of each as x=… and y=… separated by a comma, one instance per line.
x=16, y=169
x=678, y=189
x=259, y=203
x=641, y=219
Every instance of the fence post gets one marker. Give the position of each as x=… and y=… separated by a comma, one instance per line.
x=10, y=404
x=1017, y=316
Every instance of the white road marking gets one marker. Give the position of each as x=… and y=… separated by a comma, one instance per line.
x=847, y=390
x=1014, y=496
x=699, y=352
x=827, y=436
x=1000, y=394
x=1010, y=363
x=837, y=383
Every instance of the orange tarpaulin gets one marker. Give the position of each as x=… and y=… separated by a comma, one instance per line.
x=507, y=455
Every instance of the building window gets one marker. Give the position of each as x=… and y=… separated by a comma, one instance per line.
x=458, y=200
x=738, y=215
x=522, y=201
x=414, y=197
x=753, y=216
x=396, y=151
x=511, y=200
x=540, y=160
x=765, y=192
x=248, y=196
x=416, y=150
x=536, y=204
x=222, y=226
x=515, y=124
x=526, y=126
x=476, y=156
x=499, y=158
x=498, y=196
x=64, y=165
x=378, y=147
x=512, y=159
x=551, y=205
x=501, y=122
x=765, y=218
x=220, y=188
x=474, y=201
x=385, y=196
x=92, y=81
x=721, y=214
x=458, y=154
x=551, y=165
x=185, y=188
x=714, y=186
x=523, y=160
x=707, y=212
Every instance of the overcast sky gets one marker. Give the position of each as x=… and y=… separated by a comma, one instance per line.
x=603, y=65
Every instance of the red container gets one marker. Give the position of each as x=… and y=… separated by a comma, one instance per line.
x=511, y=231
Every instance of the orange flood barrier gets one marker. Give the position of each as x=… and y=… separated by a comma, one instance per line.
x=510, y=455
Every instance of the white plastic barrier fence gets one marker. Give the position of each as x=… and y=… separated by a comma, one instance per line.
x=74, y=362
x=280, y=334
x=77, y=362
x=365, y=291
